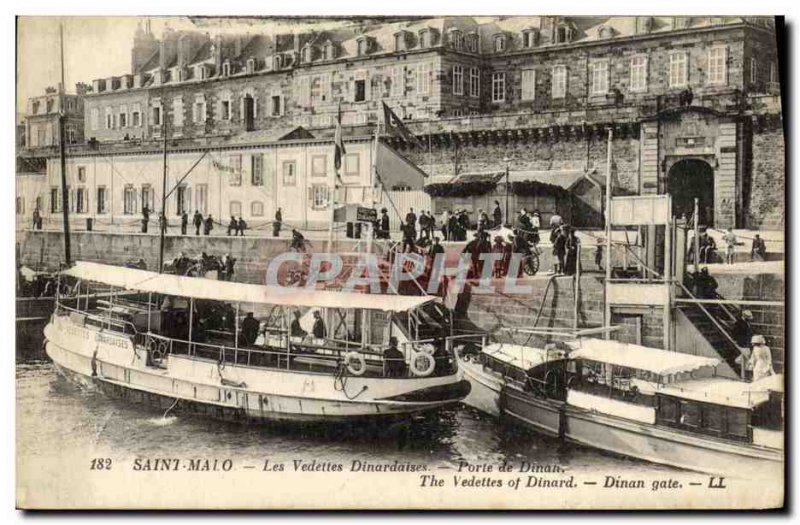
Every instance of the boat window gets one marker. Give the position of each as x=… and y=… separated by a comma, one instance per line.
x=690, y=414
x=668, y=409
x=712, y=418
x=737, y=422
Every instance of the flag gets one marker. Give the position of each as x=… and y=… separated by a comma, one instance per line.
x=338, y=145
x=396, y=127
x=393, y=169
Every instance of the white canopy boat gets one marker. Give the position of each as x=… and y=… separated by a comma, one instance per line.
x=656, y=405
x=185, y=343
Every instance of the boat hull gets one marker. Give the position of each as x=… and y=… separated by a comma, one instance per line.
x=671, y=447
x=112, y=364
x=484, y=394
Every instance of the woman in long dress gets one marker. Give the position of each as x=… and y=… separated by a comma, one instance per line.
x=761, y=358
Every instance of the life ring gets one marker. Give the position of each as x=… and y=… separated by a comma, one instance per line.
x=422, y=364
x=355, y=363
x=158, y=352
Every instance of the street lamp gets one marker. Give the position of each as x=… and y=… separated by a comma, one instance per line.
x=507, y=160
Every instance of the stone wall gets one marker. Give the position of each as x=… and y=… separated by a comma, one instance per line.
x=766, y=207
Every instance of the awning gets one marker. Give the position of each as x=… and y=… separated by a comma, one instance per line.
x=209, y=289
x=524, y=357
x=638, y=357
x=718, y=391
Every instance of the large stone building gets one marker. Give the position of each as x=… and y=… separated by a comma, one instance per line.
x=693, y=101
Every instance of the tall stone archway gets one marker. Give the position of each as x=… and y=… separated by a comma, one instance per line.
x=689, y=179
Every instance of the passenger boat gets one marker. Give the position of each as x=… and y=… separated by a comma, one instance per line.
x=655, y=405
x=230, y=350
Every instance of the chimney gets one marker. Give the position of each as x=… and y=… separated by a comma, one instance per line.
x=81, y=89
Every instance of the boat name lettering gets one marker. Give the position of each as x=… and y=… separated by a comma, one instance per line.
x=111, y=340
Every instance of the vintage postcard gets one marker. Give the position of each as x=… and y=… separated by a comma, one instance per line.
x=406, y=262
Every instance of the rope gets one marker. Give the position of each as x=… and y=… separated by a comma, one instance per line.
x=341, y=378
x=170, y=408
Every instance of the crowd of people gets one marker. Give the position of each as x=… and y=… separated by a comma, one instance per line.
x=200, y=266
x=707, y=247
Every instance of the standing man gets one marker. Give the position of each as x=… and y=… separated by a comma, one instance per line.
x=241, y=226
x=184, y=222
x=276, y=224
x=559, y=250
x=162, y=222
x=497, y=215
x=730, y=245
x=423, y=225
x=36, y=218
x=384, y=229
x=233, y=226
x=209, y=225
x=571, y=246
x=197, y=221
x=145, y=218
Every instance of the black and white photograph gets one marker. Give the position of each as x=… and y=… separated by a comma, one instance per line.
x=375, y=262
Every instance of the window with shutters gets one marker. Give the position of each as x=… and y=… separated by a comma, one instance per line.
x=639, y=74
x=201, y=198
x=319, y=196
x=199, y=110
x=499, y=86
x=156, y=113
x=458, y=80
x=81, y=200
x=177, y=112
x=717, y=68
x=55, y=199
x=474, y=82
x=101, y=199
x=397, y=87
x=129, y=200
x=528, y=84
x=81, y=173
x=94, y=119
x=109, y=119
x=678, y=70
x=289, y=171
x=235, y=208
x=257, y=209
x=559, y=82
x=598, y=72
x=136, y=115
x=123, y=116
x=753, y=71
x=225, y=108
x=423, y=78
x=235, y=164
x=256, y=169
x=182, y=199
x=276, y=105
x=147, y=197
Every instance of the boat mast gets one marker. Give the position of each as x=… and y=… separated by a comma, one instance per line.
x=161, y=227
x=609, y=189
x=62, y=153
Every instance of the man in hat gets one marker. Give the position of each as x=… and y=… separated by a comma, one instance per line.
x=318, y=330
x=758, y=252
x=707, y=247
x=394, y=362
x=384, y=229
x=742, y=330
x=197, y=220
x=184, y=222
x=730, y=245
x=559, y=250
x=497, y=215
x=277, y=223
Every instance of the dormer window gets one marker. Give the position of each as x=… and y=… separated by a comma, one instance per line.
x=681, y=22
x=605, y=32
x=530, y=37
x=200, y=72
x=226, y=69
x=499, y=43
x=277, y=62
x=35, y=107
x=251, y=66
x=327, y=51
x=456, y=39
x=564, y=34
x=473, y=42
x=362, y=46
x=424, y=37
x=307, y=54
x=400, y=41
x=644, y=24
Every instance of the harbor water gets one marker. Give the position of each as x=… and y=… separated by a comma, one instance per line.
x=58, y=419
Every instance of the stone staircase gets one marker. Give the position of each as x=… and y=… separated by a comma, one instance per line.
x=717, y=337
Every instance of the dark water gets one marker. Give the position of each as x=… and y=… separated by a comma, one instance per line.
x=54, y=417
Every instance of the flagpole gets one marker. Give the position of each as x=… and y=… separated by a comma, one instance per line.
x=332, y=197
x=609, y=191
